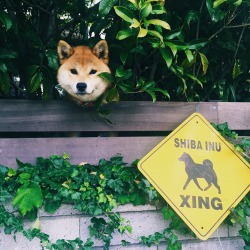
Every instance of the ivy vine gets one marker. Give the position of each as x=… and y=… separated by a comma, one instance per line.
x=96, y=190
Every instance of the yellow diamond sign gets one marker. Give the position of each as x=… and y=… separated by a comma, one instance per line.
x=198, y=173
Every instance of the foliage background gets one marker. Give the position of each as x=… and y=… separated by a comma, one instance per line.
x=204, y=56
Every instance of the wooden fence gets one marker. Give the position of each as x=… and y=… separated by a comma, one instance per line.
x=30, y=129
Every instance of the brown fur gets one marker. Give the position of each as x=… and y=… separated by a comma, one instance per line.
x=79, y=70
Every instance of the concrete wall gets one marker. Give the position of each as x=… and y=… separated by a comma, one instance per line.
x=68, y=223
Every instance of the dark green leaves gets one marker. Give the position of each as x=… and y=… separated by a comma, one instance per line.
x=105, y=6
x=124, y=13
x=5, y=19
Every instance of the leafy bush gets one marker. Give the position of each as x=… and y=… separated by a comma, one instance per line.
x=173, y=50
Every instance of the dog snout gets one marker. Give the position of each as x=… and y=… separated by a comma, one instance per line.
x=81, y=86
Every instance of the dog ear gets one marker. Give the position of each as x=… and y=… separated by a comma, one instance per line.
x=64, y=51
x=101, y=50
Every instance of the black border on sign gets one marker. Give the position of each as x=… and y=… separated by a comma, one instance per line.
x=225, y=143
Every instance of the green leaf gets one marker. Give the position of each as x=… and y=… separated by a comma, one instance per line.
x=158, y=9
x=237, y=69
x=191, y=16
x=180, y=45
x=238, y=3
x=24, y=178
x=123, y=198
x=134, y=2
x=189, y=55
x=123, y=34
x=116, y=185
x=159, y=22
x=5, y=19
x=122, y=73
x=3, y=67
x=107, y=76
x=112, y=95
x=105, y=6
x=195, y=79
x=164, y=92
x=27, y=198
x=152, y=94
x=172, y=34
x=142, y=32
x=215, y=13
x=34, y=78
x=7, y=53
x=217, y=3
x=204, y=62
x=146, y=10
x=52, y=59
x=4, y=82
x=166, y=56
x=155, y=34
x=198, y=43
x=135, y=24
x=124, y=13
x=52, y=206
x=172, y=47
x=149, y=86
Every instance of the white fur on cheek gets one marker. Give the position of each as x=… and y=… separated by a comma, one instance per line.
x=64, y=78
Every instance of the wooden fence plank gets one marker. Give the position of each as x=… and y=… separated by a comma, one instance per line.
x=80, y=149
x=40, y=116
x=236, y=114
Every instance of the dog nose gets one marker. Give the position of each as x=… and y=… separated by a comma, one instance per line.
x=81, y=86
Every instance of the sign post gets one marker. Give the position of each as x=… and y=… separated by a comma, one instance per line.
x=198, y=173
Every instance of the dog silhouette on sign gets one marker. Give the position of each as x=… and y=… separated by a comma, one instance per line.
x=195, y=171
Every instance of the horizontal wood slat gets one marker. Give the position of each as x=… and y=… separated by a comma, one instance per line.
x=236, y=114
x=41, y=116
x=89, y=150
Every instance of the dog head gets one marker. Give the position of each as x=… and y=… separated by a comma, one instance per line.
x=79, y=70
x=184, y=157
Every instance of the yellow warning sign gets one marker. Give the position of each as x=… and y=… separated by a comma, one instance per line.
x=198, y=173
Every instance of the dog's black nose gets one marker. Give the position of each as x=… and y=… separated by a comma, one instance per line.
x=81, y=86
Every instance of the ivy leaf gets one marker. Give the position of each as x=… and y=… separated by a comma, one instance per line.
x=123, y=198
x=52, y=206
x=117, y=185
x=28, y=197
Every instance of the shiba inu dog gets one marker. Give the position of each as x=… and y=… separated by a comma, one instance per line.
x=79, y=70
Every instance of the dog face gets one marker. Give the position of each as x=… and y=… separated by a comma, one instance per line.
x=79, y=70
x=184, y=157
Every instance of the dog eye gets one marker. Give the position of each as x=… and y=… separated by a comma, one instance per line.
x=73, y=71
x=92, y=72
